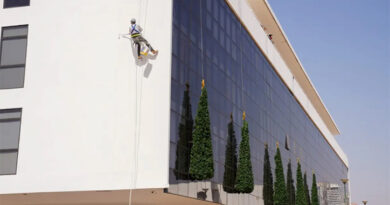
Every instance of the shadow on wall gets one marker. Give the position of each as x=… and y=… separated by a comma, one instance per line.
x=145, y=59
x=148, y=70
x=202, y=195
x=216, y=196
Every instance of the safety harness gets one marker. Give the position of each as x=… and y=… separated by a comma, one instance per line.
x=134, y=29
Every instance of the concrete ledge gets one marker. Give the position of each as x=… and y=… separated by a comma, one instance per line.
x=110, y=197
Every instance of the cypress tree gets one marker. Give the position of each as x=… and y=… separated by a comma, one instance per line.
x=280, y=195
x=201, y=160
x=307, y=191
x=229, y=177
x=268, y=189
x=314, y=192
x=290, y=186
x=183, y=149
x=244, y=180
x=300, y=195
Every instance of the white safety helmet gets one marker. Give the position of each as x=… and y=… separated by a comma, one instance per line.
x=132, y=21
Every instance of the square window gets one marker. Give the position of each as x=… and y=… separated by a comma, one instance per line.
x=222, y=38
x=222, y=17
x=15, y=3
x=209, y=21
x=10, y=120
x=13, y=50
x=215, y=10
x=184, y=20
x=208, y=6
x=215, y=30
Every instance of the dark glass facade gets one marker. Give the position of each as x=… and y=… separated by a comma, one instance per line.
x=209, y=42
x=16, y=3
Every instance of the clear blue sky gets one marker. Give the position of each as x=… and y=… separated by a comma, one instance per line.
x=344, y=47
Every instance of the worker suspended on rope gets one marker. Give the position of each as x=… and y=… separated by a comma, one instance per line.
x=135, y=33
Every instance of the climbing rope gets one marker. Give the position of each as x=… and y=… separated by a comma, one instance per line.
x=242, y=72
x=138, y=109
x=201, y=38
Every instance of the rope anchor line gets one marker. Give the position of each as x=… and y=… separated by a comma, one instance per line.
x=138, y=109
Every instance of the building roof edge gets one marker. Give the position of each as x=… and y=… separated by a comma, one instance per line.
x=289, y=55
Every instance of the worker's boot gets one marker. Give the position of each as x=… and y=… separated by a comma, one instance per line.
x=154, y=52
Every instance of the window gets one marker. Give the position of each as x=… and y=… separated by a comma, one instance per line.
x=9, y=140
x=16, y=3
x=13, y=50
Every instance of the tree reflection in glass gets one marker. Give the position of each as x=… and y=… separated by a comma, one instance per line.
x=184, y=144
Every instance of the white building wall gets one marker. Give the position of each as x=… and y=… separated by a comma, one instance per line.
x=79, y=98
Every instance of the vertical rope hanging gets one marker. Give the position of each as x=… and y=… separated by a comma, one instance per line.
x=242, y=72
x=201, y=41
x=140, y=102
x=137, y=126
x=201, y=162
x=132, y=172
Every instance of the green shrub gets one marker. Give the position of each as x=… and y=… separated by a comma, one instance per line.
x=314, y=192
x=201, y=161
x=268, y=189
x=244, y=178
x=300, y=195
x=280, y=195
